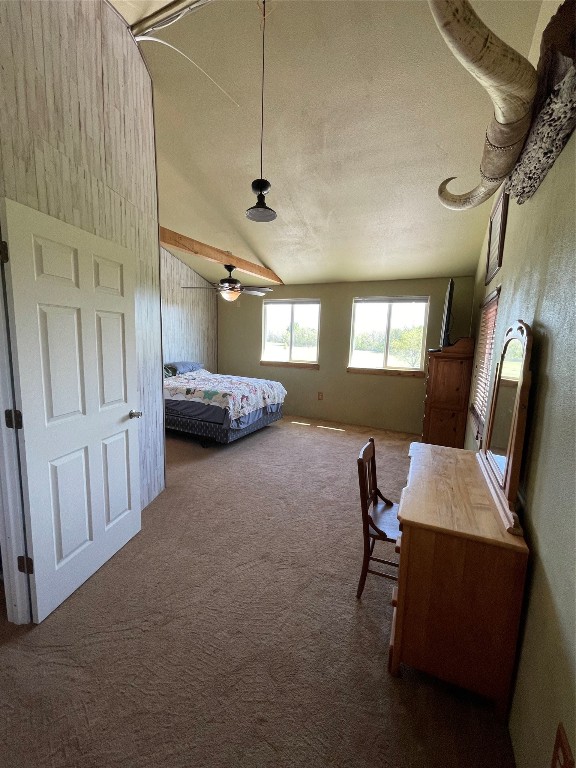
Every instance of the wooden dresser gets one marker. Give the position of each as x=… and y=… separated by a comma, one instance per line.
x=461, y=576
x=447, y=391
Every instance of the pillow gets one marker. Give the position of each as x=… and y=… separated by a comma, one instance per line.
x=183, y=367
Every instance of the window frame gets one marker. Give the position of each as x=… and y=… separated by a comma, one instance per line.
x=290, y=361
x=483, y=360
x=390, y=300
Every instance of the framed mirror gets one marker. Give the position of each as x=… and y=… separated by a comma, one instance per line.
x=501, y=453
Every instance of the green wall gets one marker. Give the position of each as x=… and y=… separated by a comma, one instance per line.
x=386, y=402
x=538, y=280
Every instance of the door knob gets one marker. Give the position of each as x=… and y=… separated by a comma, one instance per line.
x=134, y=414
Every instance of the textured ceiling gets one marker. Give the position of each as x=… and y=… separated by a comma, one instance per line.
x=366, y=112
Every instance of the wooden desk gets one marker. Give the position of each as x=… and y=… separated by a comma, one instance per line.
x=461, y=577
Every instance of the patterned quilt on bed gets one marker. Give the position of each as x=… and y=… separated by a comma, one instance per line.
x=239, y=394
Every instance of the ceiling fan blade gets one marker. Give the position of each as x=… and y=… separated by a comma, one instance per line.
x=253, y=292
x=260, y=288
x=198, y=287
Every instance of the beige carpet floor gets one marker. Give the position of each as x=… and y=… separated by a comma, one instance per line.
x=227, y=633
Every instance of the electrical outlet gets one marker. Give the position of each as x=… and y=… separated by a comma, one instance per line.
x=320, y=395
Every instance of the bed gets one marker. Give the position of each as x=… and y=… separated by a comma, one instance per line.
x=215, y=407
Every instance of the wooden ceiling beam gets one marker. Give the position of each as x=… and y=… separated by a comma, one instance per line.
x=171, y=239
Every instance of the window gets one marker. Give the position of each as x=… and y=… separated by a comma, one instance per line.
x=388, y=333
x=483, y=360
x=291, y=331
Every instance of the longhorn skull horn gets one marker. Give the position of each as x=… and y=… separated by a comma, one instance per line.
x=510, y=81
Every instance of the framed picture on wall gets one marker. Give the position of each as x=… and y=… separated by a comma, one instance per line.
x=496, y=237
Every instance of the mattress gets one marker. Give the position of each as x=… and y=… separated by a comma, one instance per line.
x=233, y=402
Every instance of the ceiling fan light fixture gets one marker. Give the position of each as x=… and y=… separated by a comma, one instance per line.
x=230, y=295
x=230, y=288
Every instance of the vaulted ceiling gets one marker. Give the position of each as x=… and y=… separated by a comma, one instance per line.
x=366, y=112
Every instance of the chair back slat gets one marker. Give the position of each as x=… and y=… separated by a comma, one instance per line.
x=367, y=479
x=562, y=757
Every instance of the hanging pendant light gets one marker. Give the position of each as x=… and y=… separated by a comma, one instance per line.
x=261, y=187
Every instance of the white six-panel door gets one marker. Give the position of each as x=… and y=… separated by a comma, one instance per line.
x=71, y=302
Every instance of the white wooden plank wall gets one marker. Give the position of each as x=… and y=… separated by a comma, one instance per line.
x=189, y=317
x=77, y=143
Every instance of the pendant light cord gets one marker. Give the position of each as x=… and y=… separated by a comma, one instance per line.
x=262, y=90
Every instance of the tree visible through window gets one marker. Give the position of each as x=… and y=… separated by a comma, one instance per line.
x=291, y=331
x=388, y=333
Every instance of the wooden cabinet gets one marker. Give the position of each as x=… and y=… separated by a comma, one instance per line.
x=447, y=392
x=461, y=577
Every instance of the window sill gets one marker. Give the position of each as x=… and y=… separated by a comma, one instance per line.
x=387, y=372
x=284, y=364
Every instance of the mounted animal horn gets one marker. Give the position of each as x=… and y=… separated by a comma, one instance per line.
x=510, y=81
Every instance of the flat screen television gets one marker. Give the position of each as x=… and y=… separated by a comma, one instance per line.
x=447, y=316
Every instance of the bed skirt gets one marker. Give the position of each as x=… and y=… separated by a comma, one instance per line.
x=217, y=432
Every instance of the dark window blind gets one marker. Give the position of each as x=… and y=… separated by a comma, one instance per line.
x=483, y=361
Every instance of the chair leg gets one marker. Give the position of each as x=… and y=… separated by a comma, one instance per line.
x=365, y=562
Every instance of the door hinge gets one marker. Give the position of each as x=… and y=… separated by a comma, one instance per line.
x=3, y=252
x=13, y=419
x=25, y=564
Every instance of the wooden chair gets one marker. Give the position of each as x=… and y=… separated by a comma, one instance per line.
x=379, y=515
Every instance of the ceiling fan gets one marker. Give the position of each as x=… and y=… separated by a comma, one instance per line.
x=230, y=288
